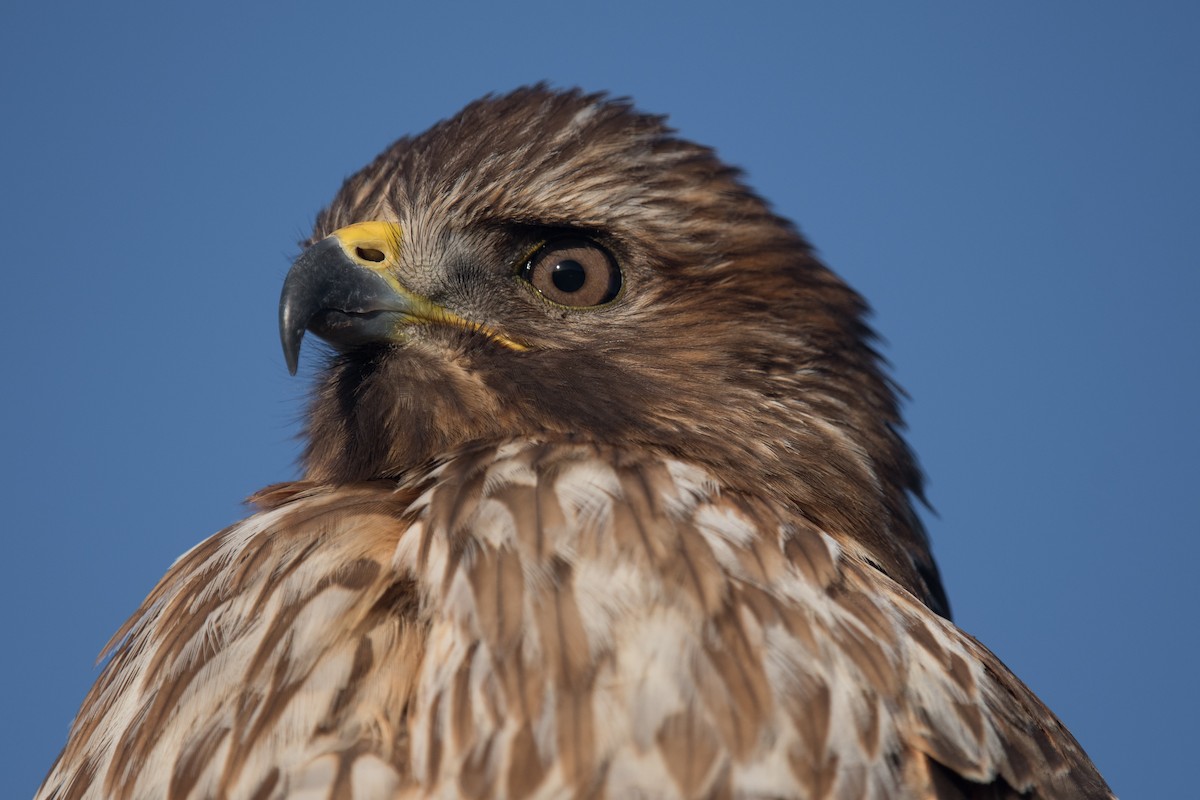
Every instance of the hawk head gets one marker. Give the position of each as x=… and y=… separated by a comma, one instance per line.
x=557, y=266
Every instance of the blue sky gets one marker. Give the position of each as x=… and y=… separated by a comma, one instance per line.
x=1012, y=186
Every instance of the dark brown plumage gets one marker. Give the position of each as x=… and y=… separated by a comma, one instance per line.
x=704, y=261
x=662, y=543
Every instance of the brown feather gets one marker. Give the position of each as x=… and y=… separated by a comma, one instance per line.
x=666, y=548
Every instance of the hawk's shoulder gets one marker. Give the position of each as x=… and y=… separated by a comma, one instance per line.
x=540, y=619
x=259, y=660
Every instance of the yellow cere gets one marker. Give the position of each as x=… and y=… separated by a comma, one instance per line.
x=376, y=246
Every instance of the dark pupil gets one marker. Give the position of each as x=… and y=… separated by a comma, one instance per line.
x=568, y=276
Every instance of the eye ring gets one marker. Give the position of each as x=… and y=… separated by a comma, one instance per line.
x=573, y=271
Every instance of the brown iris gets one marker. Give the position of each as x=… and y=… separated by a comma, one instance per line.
x=573, y=272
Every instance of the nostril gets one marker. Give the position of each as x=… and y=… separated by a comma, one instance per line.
x=369, y=254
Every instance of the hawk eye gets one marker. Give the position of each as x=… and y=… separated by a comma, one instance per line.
x=573, y=272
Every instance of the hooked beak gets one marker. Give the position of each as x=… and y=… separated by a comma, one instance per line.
x=344, y=289
x=338, y=289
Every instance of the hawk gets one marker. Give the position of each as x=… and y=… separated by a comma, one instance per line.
x=604, y=495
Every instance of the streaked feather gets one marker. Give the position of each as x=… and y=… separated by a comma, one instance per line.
x=666, y=549
x=312, y=649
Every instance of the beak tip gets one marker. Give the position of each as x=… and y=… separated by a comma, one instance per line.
x=291, y=350
x=290, y=336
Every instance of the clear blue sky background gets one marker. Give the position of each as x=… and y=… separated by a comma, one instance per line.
x=1014, y=187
